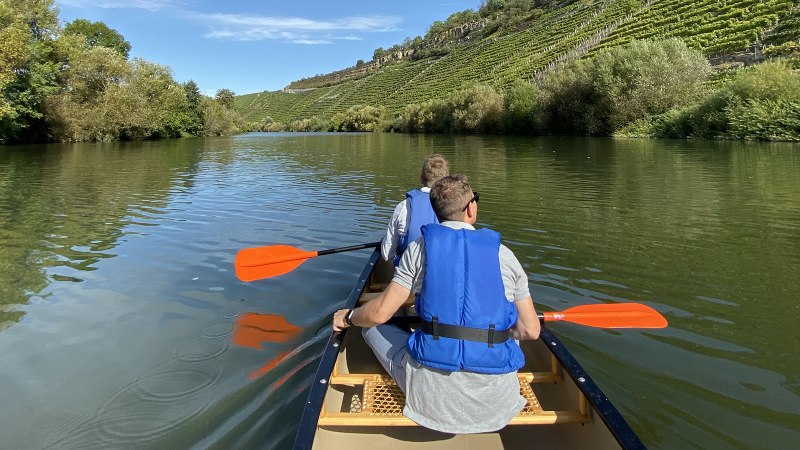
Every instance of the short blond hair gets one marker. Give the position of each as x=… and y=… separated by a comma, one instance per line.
x=449, y=195
x=433, y=169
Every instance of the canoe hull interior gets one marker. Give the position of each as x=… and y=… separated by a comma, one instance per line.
x=356, y=406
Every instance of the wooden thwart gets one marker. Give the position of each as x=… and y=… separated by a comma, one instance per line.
x=381, y=402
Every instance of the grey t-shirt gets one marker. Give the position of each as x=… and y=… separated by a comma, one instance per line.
x=460, y=402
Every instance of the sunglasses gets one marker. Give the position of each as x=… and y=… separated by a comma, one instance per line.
x=474, y=198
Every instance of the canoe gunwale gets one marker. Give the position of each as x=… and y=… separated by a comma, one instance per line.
x=306, y=431
x=601, y=404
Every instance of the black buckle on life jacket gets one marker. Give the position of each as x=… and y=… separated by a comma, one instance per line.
x=435, y=328
x=490, y=337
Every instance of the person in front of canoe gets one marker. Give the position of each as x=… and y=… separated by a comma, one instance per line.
x=459, y=368
x=413, y=212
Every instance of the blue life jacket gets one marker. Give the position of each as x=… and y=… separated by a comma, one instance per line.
x=420, y=212
x=463, y=287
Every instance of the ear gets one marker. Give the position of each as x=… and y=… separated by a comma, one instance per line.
x=471, y=212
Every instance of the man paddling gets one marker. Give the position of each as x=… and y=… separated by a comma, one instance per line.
x=458, y=369
x=413, y=212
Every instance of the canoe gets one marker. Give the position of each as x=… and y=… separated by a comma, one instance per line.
x=354, y=404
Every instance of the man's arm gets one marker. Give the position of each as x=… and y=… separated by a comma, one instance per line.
x=527, y=326
x=375, y=312
x=395, y=229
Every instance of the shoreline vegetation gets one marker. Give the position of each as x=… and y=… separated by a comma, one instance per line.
x=75, y=82
x=645, y=89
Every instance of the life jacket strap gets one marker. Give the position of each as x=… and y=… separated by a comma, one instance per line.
x=489, y=336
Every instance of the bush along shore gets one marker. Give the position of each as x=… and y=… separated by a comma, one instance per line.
x=660, y=89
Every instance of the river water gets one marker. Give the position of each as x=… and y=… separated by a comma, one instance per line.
x=118, y=299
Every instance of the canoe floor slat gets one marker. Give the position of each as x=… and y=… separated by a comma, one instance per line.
x=382, y=401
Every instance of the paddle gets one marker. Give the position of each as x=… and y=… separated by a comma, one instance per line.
x=273, y=328
x=263, y=262
x=612, y=315
x=609, y=315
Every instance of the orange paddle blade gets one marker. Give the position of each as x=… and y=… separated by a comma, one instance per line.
x=611, y=315
x=270, y=261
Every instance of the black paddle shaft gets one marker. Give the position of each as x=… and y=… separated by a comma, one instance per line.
x=348, y=249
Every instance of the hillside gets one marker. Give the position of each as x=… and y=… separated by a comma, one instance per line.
x=724, y=30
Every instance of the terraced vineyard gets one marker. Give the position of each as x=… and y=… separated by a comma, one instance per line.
x=560, y=35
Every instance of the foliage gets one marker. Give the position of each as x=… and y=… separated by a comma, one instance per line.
x=314, y=123
x=161, y=95
x=475, y=109
x=116, y=100
x=759, y=103
x=13, y=51
x=766, y=120
x=726, y=112
x=378, y=53
x=192, y=115
x=526, y=45
x=31, y=28
x=521, y=109
x=359, y=118
x=620, y=85
x=79, y=112
x=226, y=98
x=790, y=48
x=219, y=120
x=90, y=70
x=98, y=34
x=427, y=117
x=490, y=8
x=79, y=85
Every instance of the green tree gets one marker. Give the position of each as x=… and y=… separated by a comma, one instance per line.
x=98, y=34
x=436, y=28
x=13, y=51
x=109, y=98
x=194, y=119
x=490, y=8
x=31, y=27
x=164, y=98
x=226, y=98
x=91, y=70
x=476, y=109
x=80, y=110
x=521, y=108
x=219, y=120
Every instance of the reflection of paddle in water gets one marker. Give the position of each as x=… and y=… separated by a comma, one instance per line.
x=253, y=329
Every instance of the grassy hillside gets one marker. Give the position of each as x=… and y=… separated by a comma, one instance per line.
x=556, y=36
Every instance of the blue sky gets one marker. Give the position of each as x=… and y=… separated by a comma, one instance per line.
x=252, y=46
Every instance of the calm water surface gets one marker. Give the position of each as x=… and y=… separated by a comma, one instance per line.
x=118, y=298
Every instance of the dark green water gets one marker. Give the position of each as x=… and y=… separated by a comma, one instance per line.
x=118, y=298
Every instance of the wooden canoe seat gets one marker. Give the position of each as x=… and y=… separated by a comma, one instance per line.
x=380, y=402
